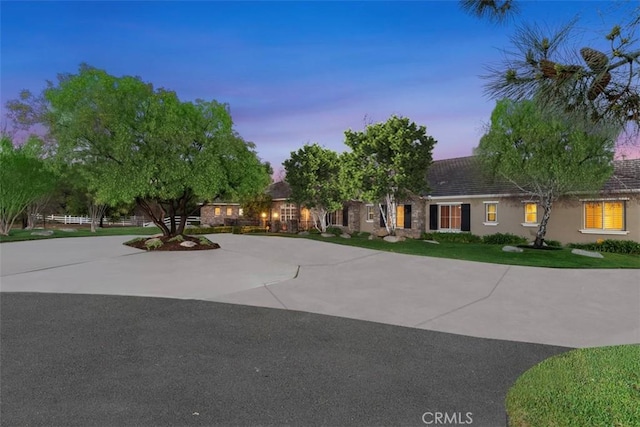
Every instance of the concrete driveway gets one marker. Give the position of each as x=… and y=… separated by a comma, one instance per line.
x=573, y=308
x=235, y=341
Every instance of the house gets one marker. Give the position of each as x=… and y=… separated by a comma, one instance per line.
x=462, y=198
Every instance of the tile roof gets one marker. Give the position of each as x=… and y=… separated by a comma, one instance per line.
x=462, y=176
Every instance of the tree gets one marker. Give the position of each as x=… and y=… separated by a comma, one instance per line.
x=316, y=179
x=603, y=82
x=392, y=159
x=137, y=143
x=547, y=154
x=24, y=178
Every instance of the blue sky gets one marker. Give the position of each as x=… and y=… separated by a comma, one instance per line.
x=292, y=72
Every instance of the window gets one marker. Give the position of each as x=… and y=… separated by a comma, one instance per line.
x=400, y=216
x=229, y=211
x=288, y=211
x=240, y=212
x=530, y=213
x=216, y=211
x=604, y=215
x=334, y=218
x=369, y=213
x=490, y=212
x=450, y=217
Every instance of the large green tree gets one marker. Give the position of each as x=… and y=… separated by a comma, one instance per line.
x=547, y=154
x=138, y=143
x=391, y=160
x=24, y=179
x=317, y=180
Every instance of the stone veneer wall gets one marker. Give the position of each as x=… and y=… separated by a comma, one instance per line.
x=418, y=220
x=354, y=216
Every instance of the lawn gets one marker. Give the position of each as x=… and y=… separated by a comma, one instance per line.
x=585, y=387
x=20, y=235
x=561, y=258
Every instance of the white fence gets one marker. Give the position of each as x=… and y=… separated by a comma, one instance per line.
x=191, y=220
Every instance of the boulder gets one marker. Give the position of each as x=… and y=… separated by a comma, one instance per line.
x=42, y=233
x=68, y=230
x=372, y=237
x=512, y=249
x=328, y=235
x=345, y=236
x=590, y=254
x=432, y=242
x=303, y=233
x=393, y=239
x=188, y=244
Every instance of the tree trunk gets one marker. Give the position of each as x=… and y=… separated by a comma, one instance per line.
x=96, y=211
x=319, y=216
x=390, y=217
x=158, y=221
x=542, y=228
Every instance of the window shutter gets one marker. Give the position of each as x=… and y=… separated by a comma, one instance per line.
x=466, y=217
x=345, y=216
x=433, y=217
x=384, y=209
x=407, y=216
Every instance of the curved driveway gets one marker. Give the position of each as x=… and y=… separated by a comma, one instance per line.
x=573, y=308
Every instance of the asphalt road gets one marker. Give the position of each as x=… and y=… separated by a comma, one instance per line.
x=92, y=360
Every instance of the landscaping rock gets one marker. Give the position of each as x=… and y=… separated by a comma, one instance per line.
x=42, y=233
x=345, y=236
x=68, y=230
x=393, y=239
x=372, y=237
x=512, y=249
x=303, y=233
x=432, y=241
x=590, y=254
x=188, y=244
x=328, y=235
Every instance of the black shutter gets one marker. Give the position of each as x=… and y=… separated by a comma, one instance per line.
x=466, y=217
x=433, y=217
x=345, y=216
x=407, y=216
x=384, y=209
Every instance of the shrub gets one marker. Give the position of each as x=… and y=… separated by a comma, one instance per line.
x=614, y=246
x=178, y=238
x=503, y=239
x=361, y=234
x=553, y=243
x=584, y=387
x=204, y=241
x=153, y=243
x=334, y=230
x=452, y=237
x=137, y=239
x=314, y=231
x=211, y=230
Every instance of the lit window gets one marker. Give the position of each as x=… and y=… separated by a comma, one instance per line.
x=491, y=212
x=400, y=216
x=450, y=217
x=288, y=211
x=216, y=211
x=604, y=215
x=229, y=211
x=369, y=213
x=530, y=213
x=240, y=212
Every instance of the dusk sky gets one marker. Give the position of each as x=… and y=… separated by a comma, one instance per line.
x=292, y=72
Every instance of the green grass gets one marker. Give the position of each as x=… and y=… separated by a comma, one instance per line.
x=585, y=387
x=562, y=258
x=20, y=235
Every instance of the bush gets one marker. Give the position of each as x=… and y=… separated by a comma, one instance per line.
x=452, y=237
x=361, y=234
x=153, y=243
x=553, y=243
x=211, y=230
x=314, y=231
x=178, y=238
x=503, y=239
x=334, y=230
x=584, y=387
x=614, y=246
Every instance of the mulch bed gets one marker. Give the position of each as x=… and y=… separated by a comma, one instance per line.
x=174, y=245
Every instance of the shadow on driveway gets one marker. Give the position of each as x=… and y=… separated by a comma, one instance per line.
x=112, y=360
